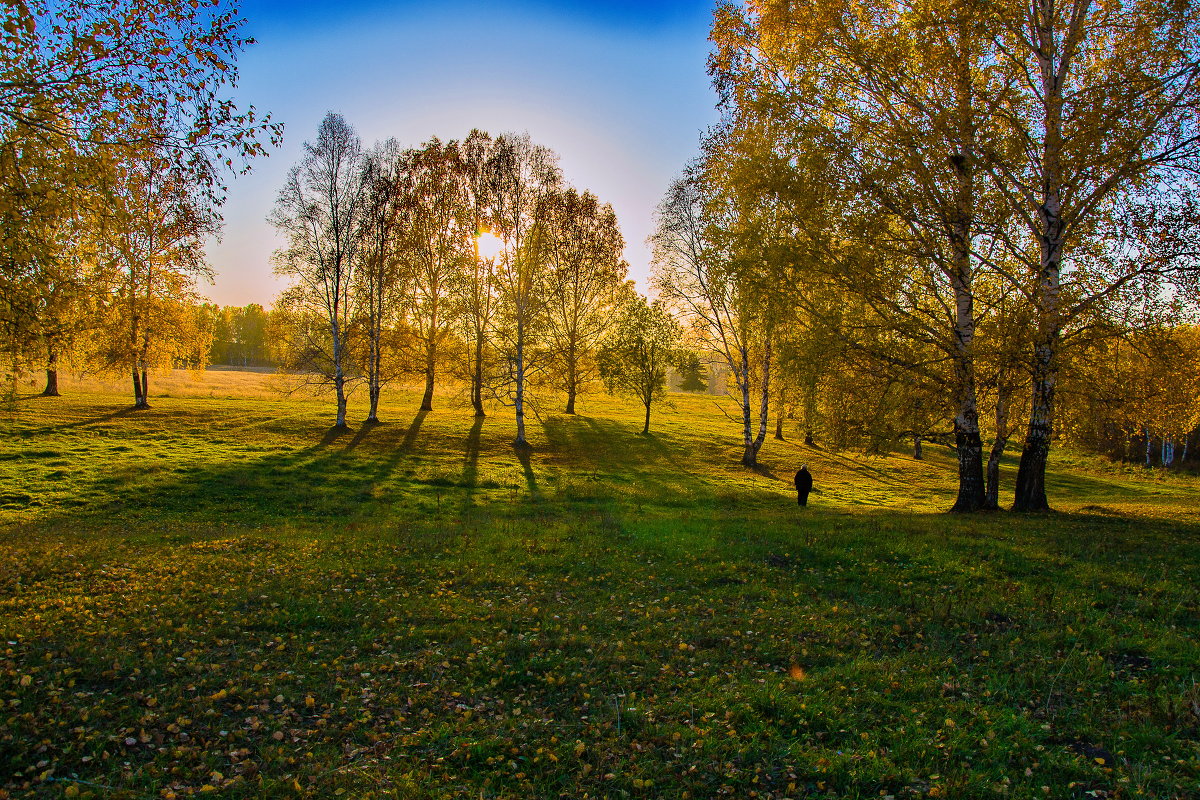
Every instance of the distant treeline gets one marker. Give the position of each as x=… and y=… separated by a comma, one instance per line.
x=240, y=335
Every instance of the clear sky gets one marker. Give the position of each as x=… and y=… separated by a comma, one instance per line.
x=618, y=88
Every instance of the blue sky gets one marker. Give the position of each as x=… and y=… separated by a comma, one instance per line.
x=617, y=87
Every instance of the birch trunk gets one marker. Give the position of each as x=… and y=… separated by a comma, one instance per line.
x=145, y=354
x=519, y=400
x=374, y=383
x=139, y=392
x=1030, y=494
x=991, y=493
x=1053, y=66
x=966, y=420
x=339, y=384
x=339, y=378
x=1031, y=475
x=477, y=377
x=750, y=457
x=373, y=392
x=572, y=390
x=430, y=362
x=51, y=374
x=968, y=444
x=375, y=354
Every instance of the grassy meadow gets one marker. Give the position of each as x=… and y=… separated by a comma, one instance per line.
x=220, y=596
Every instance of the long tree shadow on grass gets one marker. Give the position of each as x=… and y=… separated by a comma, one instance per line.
x=470, y=472
x=331, y=479
x=414, y=430
x=82, y=423
x=523, y=455
x=373, y=474
x=611, y=460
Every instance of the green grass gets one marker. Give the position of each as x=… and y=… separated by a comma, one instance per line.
x=222, y=596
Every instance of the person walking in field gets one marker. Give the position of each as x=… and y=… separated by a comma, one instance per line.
x=803, y=484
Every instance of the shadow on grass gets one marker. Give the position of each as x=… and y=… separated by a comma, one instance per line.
x=1067, y=550
x=343, y=475
x=622, y=463
x=332, y=435
x=523, y=455
x=470, y=472
x=363, y=429
x=378, y=473
x=83, y=423
x=414, y=429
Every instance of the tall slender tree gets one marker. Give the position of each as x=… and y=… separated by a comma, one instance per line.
x=437, y=242
x=476, y=285
x=152, y=239
x=319, y=211
x=585, y=272
x=698, y=279
x=524, y=177
x=380, y=274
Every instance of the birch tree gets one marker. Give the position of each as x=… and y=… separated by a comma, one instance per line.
x=1104, y=106
x=152, y=240
x=696, y=278
x=523, y=176
x=642, y=347
x=435, y=246
x=43, y=194
x=318, y=212
x=584, y=274
x=475, y=291
x=380, y=277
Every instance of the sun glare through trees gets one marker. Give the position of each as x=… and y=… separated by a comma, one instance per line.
x=484, y=503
